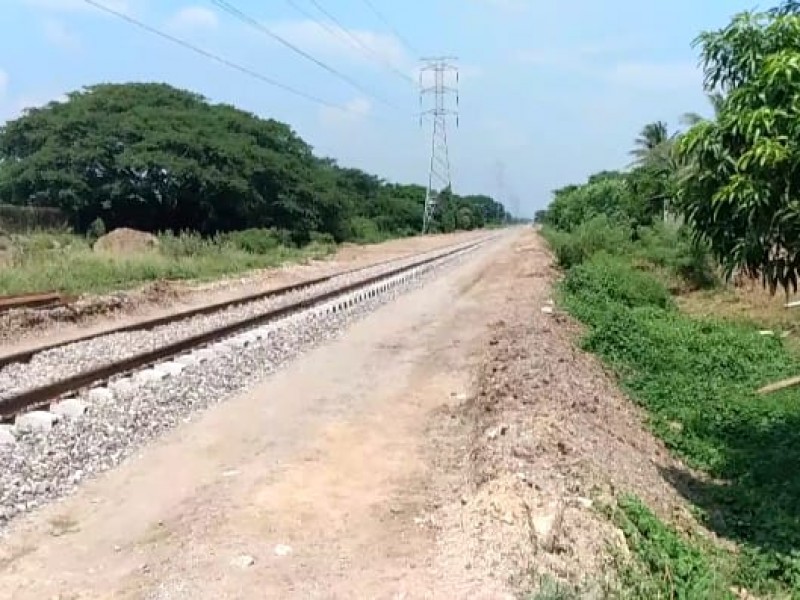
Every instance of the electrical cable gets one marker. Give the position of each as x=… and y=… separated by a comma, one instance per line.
x=219, y=59
x=386, y=22
x=351, y=38
x=232, y=10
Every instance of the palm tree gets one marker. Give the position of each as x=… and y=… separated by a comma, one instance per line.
x=651, y=141
x=715, y=99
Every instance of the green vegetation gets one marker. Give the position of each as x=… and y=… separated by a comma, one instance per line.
x=155, y=158
x=667, y=564
x=225, y=190
x=719, y=198
x=697, y=379
x=65, y=261
x=740, y=175
x=552, y=589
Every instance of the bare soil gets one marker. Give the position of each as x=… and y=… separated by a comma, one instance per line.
x=551, y=442
x=744, y=300
x=454, y=444
x=125, y=241
x=22, y=329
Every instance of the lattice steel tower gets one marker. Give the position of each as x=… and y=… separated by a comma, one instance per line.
x=443, y=86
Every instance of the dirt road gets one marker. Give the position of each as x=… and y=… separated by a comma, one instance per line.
x=433, y=451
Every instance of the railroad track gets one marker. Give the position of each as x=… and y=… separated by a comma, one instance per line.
x=335, y=297
x=26, y=355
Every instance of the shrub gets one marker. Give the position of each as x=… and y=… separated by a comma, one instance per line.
x=258, y=241
x=97, y=229
x=324, y=239
x=186, y=244
x=606, y=279
x=365, y=230
x=672, y=247
x=587, y=239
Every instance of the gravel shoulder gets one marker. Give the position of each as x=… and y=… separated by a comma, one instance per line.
x=24, y=329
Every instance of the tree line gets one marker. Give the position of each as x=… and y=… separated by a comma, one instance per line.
x=733, y=179
x=156, y=158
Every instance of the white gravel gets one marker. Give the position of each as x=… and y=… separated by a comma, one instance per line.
x=72, y=359
x=43, y=466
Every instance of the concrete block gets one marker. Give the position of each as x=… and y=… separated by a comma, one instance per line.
x=171, y=368
x=40, y=421
x=7, y=437
x=72, y=408
x=149, y=375
x=100, y=394
x=124, y=385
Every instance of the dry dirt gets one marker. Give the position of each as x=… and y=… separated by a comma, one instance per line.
x=450, y=445
x=124, y=241
x=22, y=329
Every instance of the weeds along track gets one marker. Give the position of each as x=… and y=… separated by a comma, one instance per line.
x=38, y=377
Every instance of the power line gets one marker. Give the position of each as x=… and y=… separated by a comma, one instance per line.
x=386, y=22
x=351, y=38
x=218, y=59
x=232, y=10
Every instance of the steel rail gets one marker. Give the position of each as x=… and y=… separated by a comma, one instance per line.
x=45, y=394
x=23, y=356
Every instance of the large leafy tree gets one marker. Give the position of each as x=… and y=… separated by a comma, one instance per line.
x=740, y=190
x=153, y=157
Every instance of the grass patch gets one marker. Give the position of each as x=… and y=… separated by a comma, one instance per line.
x=66, y=263
x=665, y=564
x=550, y=588
x=696, y=378
x=662, y=248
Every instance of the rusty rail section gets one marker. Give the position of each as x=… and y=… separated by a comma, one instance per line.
x=42, y=300
x=44, y=395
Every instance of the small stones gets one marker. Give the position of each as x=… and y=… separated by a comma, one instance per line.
x=187, y=360
x=243, y=561
x=282, y=550
x=584, y=502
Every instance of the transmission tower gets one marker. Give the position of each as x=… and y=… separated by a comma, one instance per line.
x=444, y=85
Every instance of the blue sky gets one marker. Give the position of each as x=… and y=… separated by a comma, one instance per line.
x=548, y=95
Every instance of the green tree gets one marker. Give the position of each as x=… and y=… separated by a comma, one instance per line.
x=740, y=186
x=715, y=99
x=651, y=144
x=153, y=157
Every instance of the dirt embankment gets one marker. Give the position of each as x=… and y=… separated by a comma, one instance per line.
x=550, y=440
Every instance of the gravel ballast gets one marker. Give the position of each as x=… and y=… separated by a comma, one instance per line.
x=44, y=465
